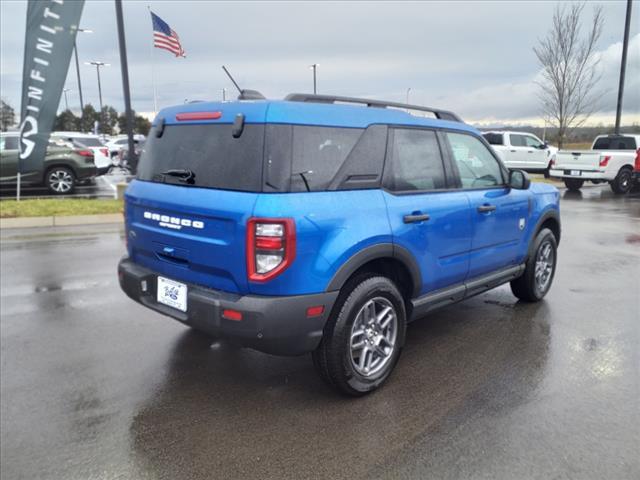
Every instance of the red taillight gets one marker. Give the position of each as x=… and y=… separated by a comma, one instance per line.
x=605, y=161
x=85, y=153
x=234, y=315
x=186, y=116
x=271, y=247
x=104, y=151
x=552, y=163
x=636, y=164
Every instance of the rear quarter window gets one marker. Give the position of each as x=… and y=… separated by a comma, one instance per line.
x=494, y=138
x=318, y=153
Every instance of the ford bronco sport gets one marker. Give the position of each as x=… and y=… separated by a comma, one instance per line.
x=324, y=224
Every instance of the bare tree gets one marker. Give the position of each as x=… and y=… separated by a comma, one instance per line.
x=569, y=69
x=7, y=116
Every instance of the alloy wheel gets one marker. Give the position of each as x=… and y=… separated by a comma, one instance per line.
x=373, y=336
x=60, y=181
x=544, y=266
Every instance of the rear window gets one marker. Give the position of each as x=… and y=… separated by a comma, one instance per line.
x=494, y=138
x=216, y=158
x=87, y=142
x=615, y=143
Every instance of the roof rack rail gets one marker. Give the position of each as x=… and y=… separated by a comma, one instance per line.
x=309, y=97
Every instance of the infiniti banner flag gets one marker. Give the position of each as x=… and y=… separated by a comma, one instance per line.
x=51, y=31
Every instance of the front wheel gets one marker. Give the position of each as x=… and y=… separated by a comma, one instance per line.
x=60, y=180
x=623, y=181
x=573, y=184
x=363, y=337
x=540, y=269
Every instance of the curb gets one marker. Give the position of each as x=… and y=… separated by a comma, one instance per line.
x=31, y=222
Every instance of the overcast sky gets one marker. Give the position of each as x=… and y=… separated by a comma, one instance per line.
x=474, y=58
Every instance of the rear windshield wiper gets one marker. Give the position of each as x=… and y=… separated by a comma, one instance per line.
x=184, y=174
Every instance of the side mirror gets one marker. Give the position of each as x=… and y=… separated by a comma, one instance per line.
x=519, y=180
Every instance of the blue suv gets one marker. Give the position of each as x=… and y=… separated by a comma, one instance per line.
x=325, y=224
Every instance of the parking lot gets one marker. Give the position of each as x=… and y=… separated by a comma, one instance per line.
x=103, y=186
x=96, y=386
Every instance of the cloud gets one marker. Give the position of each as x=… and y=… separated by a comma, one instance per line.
x=512, y=101
x=471, y=57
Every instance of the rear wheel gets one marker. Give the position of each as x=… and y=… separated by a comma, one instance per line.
x=573, y=184
x=363, y=338
x=60, y=180
x=623, y=181
x=540, y=269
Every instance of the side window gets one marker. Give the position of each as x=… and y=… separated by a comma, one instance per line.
x=533, y=142
x=416, y=162
x=517, y=140
x=11, y=143
x=477, y=166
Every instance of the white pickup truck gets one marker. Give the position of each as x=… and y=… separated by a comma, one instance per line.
x=521, y=150
x=610, y=159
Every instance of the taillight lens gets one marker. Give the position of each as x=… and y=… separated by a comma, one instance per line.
x=636, y=165
x=605, y=161
x=271, y=247
x=104, y=151
x=85, y=153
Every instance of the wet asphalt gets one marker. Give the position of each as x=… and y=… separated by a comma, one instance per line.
x=94, y=386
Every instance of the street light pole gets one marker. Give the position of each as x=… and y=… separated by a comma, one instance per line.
x=314, y=67
x=66, y=100
x=623, y=67
x=75, y=51
x=98, y=65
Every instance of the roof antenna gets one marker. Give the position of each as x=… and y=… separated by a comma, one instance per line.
x=244, y=94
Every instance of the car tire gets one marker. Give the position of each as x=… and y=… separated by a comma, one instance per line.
x=540, y=269
x=623, y=182
x=573, y=184
x=363, y=337
x=60, y=180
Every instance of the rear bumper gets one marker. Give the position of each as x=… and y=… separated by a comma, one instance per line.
x=276, y=325
x=584, y=174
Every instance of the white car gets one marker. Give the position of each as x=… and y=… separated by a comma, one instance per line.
x=611, y=159
x=121, y=143
x=521, y=150
x=101, y=155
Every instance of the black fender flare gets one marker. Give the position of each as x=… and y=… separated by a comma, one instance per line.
x=554, y=214
x=374, y=252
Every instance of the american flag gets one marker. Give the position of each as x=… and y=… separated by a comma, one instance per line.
x=164, y=37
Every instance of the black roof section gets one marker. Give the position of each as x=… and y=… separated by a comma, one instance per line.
x=311, y=98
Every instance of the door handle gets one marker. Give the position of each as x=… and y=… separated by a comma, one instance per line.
x=513, y=151
x=416, y=217
x=530, y=151
x=486, y=208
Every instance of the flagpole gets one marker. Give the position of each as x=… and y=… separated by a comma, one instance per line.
x=153, y=72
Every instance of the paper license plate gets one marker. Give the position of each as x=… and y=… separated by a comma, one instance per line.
x=172, y=293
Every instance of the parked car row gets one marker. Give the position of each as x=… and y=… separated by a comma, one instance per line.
x=71, y=157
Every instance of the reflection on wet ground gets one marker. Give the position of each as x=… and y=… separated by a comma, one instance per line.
x=95, y=386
